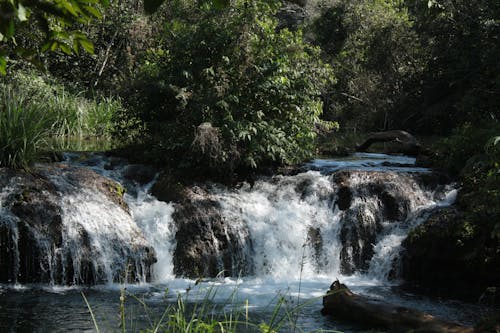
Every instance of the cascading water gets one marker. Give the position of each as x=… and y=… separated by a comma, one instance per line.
x=337, y=219
x=64, y=227
x=347, y=217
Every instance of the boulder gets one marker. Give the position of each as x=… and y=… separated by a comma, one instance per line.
x=206, y=245
x=41, y=243
x=448, y=256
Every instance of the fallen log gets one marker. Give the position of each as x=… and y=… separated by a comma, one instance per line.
x=408, y=144
x=343, y=304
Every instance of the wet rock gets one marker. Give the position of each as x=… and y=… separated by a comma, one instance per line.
x=344, y=198
x=206, y=243
x=169, y=189
x=315, y=241
x=36, y=245
x=358, y=234
x=370, y=202
x=447, y=256
x=142, y=174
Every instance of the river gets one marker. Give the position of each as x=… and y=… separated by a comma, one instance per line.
x=289, y=242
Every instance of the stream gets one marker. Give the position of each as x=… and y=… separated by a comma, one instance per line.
x=283, y=238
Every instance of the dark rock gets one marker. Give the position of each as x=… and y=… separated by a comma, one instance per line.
x=33, y=244
x=369, y=200
x=83, y=177
x=206, y=244
x=371, y=313
x=169, y=189
x=35, y=222
x=315, y=241
x=402, y=142
x=395, y=206
x=447, y=256
x=344, y=198
x=358, y=235
x=344, y=194
x=141, y=174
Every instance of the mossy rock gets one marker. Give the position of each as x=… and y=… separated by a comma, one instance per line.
x=451, y=254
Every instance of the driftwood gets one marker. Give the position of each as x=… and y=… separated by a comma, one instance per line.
x=408, y=144
x=341, y=303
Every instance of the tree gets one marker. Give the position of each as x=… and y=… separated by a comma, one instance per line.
x=53, y=23
x=29, y=27
x=229, y=91
x=376, y=52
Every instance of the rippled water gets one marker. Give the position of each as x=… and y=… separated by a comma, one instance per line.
x=62, y=309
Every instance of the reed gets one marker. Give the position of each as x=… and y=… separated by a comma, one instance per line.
x=37, y=113
x=24, y=129
x=206, y=315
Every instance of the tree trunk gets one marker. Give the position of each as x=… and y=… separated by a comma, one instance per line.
x=408, y=144
x=341, y=303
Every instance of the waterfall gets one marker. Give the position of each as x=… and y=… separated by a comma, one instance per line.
x=297, y=228
x=336, y=218
x=65, y=226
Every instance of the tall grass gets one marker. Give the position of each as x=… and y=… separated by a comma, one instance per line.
x=24, y=129
x=73, y=114
x=37, y=110
x=206, y=315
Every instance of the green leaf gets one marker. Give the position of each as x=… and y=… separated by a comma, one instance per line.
x=71, y=8
x=46, y=46
x=10, y=29
x=21, y=13
x=93, y=11
x=87, y=45
x=76, y=47
x=3, y=65
x=220, y=4
x=150, y=6
x=65, y=48
x=54, y=45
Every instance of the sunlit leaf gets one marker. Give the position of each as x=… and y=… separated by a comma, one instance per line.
x=76, y=47
x=72, y=8
x=93, y=11
x=54, y=46
x=65, y=48
x=21, y=13
x=3, y=66
x=87, y=45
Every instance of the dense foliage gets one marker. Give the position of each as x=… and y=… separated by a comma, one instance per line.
x=30, y=27
x=375, y=52
x=227, y=90
x=423, y=66
x=23, y=130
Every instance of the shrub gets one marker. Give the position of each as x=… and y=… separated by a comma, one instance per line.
x=230, y=79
